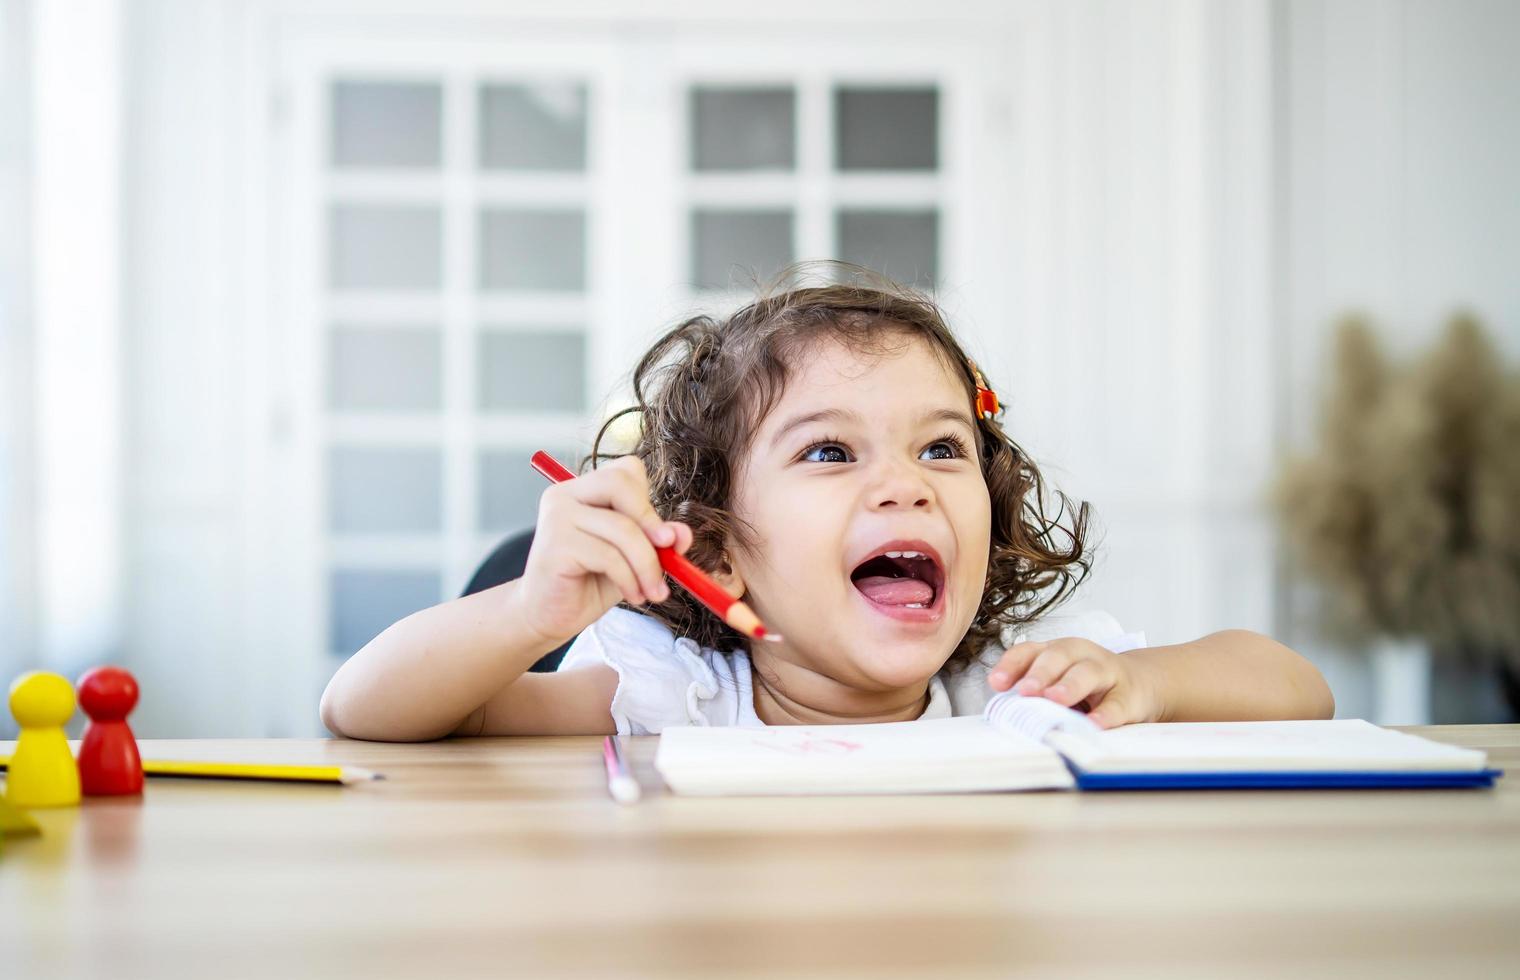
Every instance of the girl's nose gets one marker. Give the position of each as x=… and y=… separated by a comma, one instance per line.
x=900, y=487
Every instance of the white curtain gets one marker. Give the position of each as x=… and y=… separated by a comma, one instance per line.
x=60, y=311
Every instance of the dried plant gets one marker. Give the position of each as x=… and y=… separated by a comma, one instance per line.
x=1409, y=509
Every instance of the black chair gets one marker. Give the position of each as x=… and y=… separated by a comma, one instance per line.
x=503, y=565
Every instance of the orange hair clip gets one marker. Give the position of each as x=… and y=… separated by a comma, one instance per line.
x=986, y=405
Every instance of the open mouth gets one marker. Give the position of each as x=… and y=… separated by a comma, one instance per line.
x=900, y=578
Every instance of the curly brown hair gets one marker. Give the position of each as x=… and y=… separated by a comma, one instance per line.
x=704, y=387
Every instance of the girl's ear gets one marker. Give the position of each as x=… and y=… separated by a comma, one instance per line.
x=729, y=577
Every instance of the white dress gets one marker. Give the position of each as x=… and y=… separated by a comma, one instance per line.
x=664, y=680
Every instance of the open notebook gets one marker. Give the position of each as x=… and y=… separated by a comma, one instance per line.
x=1031, y=743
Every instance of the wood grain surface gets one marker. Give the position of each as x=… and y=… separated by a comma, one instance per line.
x=505, y=857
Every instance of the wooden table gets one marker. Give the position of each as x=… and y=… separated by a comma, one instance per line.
x=505, y=857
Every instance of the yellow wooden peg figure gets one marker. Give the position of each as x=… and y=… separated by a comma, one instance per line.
x=42, y=770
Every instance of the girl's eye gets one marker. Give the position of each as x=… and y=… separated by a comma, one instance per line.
x=833, y=451
x=826, y=452
x=949, y=447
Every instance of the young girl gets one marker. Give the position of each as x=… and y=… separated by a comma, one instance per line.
x=823, y=454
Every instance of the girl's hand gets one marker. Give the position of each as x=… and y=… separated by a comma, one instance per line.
x=595, y=544
x=1112, y=689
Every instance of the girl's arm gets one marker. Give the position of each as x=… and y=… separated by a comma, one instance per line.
x=449, y=669
x=460, y=667
x=1234, y=675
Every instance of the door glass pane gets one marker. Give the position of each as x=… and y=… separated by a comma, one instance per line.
x=386, y=124
x=366, y=601
x=533, y=127
x=743, y=129
x=533, y=249
x=524, y=371
x=901, y=244
x=385, y=247
x=729, y=248
x=886, y=128
x=510, y=487
x=395, y=369
x=373, y=490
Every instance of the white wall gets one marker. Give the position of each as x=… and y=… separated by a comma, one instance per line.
x=189, y=180
x=1195, y=190
x=61, y=492
x=1399, y=157
x=17, y=596
x=1140, y=341
x=1122, y=298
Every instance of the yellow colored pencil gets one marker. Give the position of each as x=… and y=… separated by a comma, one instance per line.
x=250, y=770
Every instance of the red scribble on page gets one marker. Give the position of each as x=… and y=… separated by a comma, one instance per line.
x=809, y=746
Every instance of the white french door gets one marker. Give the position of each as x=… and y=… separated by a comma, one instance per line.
x=474, y=239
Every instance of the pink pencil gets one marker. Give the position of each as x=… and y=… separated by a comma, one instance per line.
x=620, y=782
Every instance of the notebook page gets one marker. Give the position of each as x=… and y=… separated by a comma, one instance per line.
x=1262, y=746
x=942, y=755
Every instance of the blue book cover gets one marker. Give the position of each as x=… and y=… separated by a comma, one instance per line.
x=1308, y=779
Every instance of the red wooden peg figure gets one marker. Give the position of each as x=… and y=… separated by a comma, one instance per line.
x=108, y=761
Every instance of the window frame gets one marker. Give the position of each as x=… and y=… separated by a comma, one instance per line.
x=638, y=189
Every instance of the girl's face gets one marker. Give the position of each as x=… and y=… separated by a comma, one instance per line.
x=870, y=513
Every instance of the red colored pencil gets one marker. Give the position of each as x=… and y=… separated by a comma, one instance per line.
x=712, y=595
